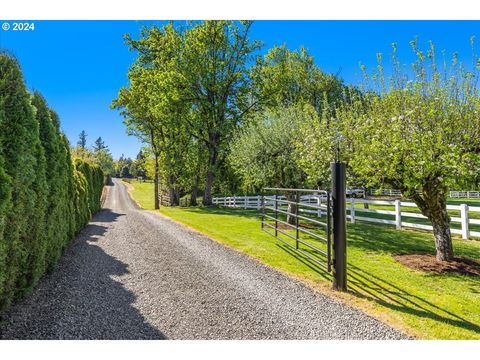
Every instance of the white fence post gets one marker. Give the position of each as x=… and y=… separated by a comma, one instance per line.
x=245, y=202
x=319, y=203
x=258, y=202
x=398, y=215
x=234, y=201
x=352, y=210
x=464, y=221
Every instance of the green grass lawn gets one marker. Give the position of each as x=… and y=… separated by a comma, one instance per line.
x=423, y=304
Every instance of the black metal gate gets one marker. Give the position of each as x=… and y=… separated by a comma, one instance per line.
x=300, y=219
x=312, y=223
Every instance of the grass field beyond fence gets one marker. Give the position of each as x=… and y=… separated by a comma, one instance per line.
x=424, y=305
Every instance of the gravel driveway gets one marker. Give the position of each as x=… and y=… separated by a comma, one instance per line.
x=132, y=274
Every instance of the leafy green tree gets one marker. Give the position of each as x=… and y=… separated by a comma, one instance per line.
x=136, y=107
x=104, y=159
x=138, y=167
x=417, y=130
x=288, y=78
x=263, y=152
x=214, y=66
x=187, y=90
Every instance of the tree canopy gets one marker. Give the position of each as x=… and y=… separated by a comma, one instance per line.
x=417, y=130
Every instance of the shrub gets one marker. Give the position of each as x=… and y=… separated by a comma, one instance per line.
x=45, y=198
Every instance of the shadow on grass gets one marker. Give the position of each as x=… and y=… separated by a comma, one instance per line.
x=377, y=238
x=365, y=285
x=307, y=262
x=368, y=286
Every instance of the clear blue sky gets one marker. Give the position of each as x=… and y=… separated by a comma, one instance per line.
x=80, y=65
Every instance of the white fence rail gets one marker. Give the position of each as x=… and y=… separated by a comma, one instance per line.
x=385, y=192
x=465, y=194
x=453, y=193
x=245, y=202
x=356, y=213
x=255, y=202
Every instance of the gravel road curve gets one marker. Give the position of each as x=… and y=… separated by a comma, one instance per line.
x=132, y=274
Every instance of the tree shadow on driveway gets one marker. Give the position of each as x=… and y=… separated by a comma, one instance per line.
x=82, y=298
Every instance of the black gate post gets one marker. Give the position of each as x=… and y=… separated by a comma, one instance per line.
x=339, y=227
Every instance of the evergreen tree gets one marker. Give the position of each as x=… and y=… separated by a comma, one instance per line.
x=82, y=140
x=5, y=193
x=99, y=145
x=19, y=139
x=56, y=223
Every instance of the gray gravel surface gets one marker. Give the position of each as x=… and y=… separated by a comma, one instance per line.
x=132, y=274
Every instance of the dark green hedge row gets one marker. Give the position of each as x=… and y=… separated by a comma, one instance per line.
x=45, y=196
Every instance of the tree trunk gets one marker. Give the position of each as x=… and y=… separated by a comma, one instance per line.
x=155, y=184
x=292, y=208
x=207, y=196
x=443, y=239
x=156, y=175
x=212, y=163
x=194, y=194
x=172, y=191
x=365, y=205
x=433, y=204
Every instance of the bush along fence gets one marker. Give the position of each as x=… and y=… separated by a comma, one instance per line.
x=387, y=212
x=45, y=196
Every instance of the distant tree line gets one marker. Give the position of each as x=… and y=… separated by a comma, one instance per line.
x=46, y=196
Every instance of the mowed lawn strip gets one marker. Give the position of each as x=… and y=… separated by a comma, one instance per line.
x=424, y=305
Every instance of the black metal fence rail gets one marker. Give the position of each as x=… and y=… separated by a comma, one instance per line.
x=311, y=212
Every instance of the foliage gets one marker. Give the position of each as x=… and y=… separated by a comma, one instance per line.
x=104, y=160
x=82, y=140
x=99, y=145
x=186, y=95
x=284, y=78
x=417, y=130
x=37, y=186
x=263, y=152
x=99, y=154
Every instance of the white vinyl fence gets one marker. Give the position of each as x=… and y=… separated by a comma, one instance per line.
x=358, y=213
x=255, y=202
x=453, y=193
x=465, y=194
x=385, y=192
x=355, y=213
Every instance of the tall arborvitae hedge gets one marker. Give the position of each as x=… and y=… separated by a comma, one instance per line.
x=4, y=208
x=45, y=197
